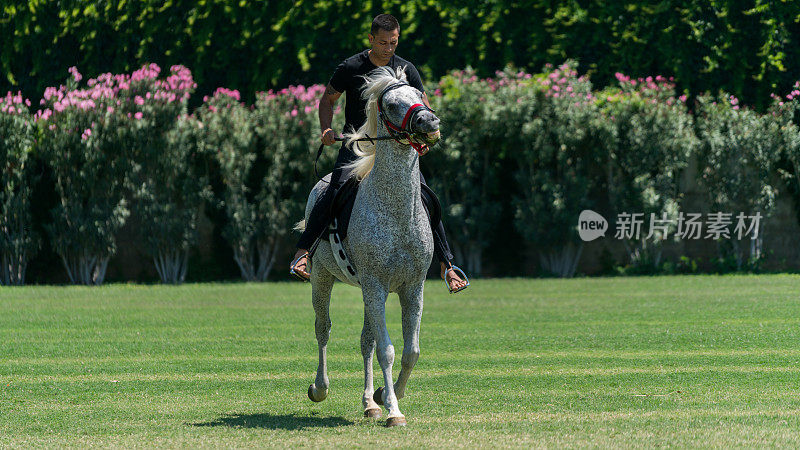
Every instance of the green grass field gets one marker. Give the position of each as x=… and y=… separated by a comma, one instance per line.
x=669, y=361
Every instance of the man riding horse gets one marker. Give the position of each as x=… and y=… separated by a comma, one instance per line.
x=349, y=78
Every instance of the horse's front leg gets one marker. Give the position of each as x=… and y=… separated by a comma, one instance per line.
x=411, y=303
x=321, y=285
x=371, y=409
x=375, y=307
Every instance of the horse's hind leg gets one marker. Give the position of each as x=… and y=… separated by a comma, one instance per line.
x=411, y=303
x=321, y=285
x=371, y=409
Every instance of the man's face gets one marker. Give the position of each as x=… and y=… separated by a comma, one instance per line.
x=384, y=43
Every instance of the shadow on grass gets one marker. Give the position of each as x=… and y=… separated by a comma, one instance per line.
x=275, y=421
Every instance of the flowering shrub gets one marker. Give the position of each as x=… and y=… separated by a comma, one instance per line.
x=563, y=142
x=17, y=242
x=166, y=176
x=85, y=132
x=653, y=142
x=738, y=152
x=287, y=136
x=96, y=139
x=227, y=137
x=464, y=167
x=169, y=205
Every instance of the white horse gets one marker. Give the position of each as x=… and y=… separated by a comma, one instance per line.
x=389, y=239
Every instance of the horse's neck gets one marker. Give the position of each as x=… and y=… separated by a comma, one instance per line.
x=394, y=178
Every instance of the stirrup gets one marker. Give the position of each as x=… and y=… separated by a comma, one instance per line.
x=293, y=266
x=458, y=270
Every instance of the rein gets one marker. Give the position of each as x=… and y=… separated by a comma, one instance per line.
x=341, y=139
x=397, y=133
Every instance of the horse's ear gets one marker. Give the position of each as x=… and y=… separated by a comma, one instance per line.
x=400, y=73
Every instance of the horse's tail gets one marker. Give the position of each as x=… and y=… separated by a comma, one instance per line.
x=300, y=226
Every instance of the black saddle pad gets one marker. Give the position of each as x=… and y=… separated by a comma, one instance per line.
x=345, y=198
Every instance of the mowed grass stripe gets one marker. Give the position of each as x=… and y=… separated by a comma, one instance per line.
x=539, y=372
x=448, y=356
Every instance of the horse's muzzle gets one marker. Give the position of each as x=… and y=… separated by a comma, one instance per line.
x=425, y=122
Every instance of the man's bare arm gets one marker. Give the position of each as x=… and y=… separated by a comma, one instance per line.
x=425, y=100
x=326, y=103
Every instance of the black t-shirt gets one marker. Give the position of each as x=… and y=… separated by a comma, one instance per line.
x=348, y=79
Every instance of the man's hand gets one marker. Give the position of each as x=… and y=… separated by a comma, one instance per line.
x=328, y=137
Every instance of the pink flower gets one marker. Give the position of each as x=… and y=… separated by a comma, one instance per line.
x=138, y=100
x=138, y=115
x=75, y=74
x=229, y=92
x=294, y=113
x=42, y=115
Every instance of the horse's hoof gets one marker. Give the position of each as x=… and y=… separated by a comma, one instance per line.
x=396, y=422
x=378, y=395
x=311, y=394
x=373, y=413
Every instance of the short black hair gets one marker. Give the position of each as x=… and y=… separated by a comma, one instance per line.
x=385, y=22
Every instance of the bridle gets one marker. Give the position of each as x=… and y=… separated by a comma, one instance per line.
x=399, y=134
x=403, y=132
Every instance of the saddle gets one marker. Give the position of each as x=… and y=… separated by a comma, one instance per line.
x=342, y=208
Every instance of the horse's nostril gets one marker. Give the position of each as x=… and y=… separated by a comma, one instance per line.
x=426, y=122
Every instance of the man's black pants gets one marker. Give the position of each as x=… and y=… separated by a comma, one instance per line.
x=320, y=215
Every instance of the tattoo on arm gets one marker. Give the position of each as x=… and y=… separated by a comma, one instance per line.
x=329, y=90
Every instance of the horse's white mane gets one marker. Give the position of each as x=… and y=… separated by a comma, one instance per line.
x=377, y=81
